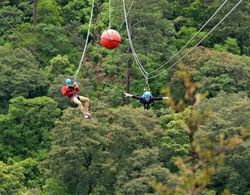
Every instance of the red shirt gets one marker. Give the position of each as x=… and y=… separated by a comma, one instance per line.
x=70, y=92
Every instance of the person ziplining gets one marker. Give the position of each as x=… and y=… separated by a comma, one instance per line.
x=71, y=91
x=111, y=39
x=146, y=99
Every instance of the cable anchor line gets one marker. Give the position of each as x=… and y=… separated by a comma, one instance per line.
x=158, y=74
x=141, y=68
x=23, y=40
x=109, y=27
x=86, y=43
x=192, y=38
x=130, y=7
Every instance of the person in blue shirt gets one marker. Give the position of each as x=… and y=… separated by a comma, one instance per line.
x=146, y=99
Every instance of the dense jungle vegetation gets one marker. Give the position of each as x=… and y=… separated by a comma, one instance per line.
x=196, y=142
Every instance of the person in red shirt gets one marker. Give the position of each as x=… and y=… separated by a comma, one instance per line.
x=71, y=91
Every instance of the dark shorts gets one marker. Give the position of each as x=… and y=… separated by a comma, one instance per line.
x=73, y=97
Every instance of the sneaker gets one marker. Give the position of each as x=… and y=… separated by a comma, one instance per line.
x=86, y=115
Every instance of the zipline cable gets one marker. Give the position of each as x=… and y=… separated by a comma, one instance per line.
x=32, y=59
x=143, y=71
x=131, y=5
x=156, y=75
x=191, y=38
x=86, y=43
x=141, y=68
x=109, y=14
x=19, y=35
x=32, y=51
x=29, y=55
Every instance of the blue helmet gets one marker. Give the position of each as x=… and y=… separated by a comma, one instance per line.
x=68, y=82
x=147, y=94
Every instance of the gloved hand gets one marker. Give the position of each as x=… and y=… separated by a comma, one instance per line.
x=165, y=98
x=75, y=83
x=127, y=95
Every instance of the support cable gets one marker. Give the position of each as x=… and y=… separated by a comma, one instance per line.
x=86, y=42
x=141, y=68
x=156, y=75
x=190, y=39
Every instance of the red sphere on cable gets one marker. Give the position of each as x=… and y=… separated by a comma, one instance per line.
x=110, y=39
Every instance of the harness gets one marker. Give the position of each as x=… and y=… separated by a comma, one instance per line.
x=145, y=103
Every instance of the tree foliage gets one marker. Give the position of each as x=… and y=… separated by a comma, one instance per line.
x=103, y=154
x=19, y=176
x=25, y=129
x=49, y=12
x=11, y=179
x=20, y=76
x=184, y=145
x=231, y=118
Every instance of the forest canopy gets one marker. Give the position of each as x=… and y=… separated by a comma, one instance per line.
x=195, y=141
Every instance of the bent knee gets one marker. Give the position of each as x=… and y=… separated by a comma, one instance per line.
x=87, y=100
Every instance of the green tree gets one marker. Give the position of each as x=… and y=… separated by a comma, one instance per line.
x=205, y=150
x=175, y=140
x=32, y=173
x=230, y=45
x=12, y=16
x=76, y=10
x=59, y=64
x=78, y=156
x=20, y=76
x=140, y=169
x=48, y=41
x=235, y=26
x=49, y=12
x=55, y=187
x=11, y=178
x=99, y=148
x=26, y=127
x=151, y=32
x=216, y=71
x=196, y=13
x=16, y=178
x=184, y=35
x=230, y=117
x=24, y=6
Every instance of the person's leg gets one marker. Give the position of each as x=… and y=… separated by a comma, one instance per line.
x=76, y=101
x=86, y=103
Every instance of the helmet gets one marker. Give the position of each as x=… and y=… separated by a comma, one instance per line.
x=147, y=94
x=68, y=82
